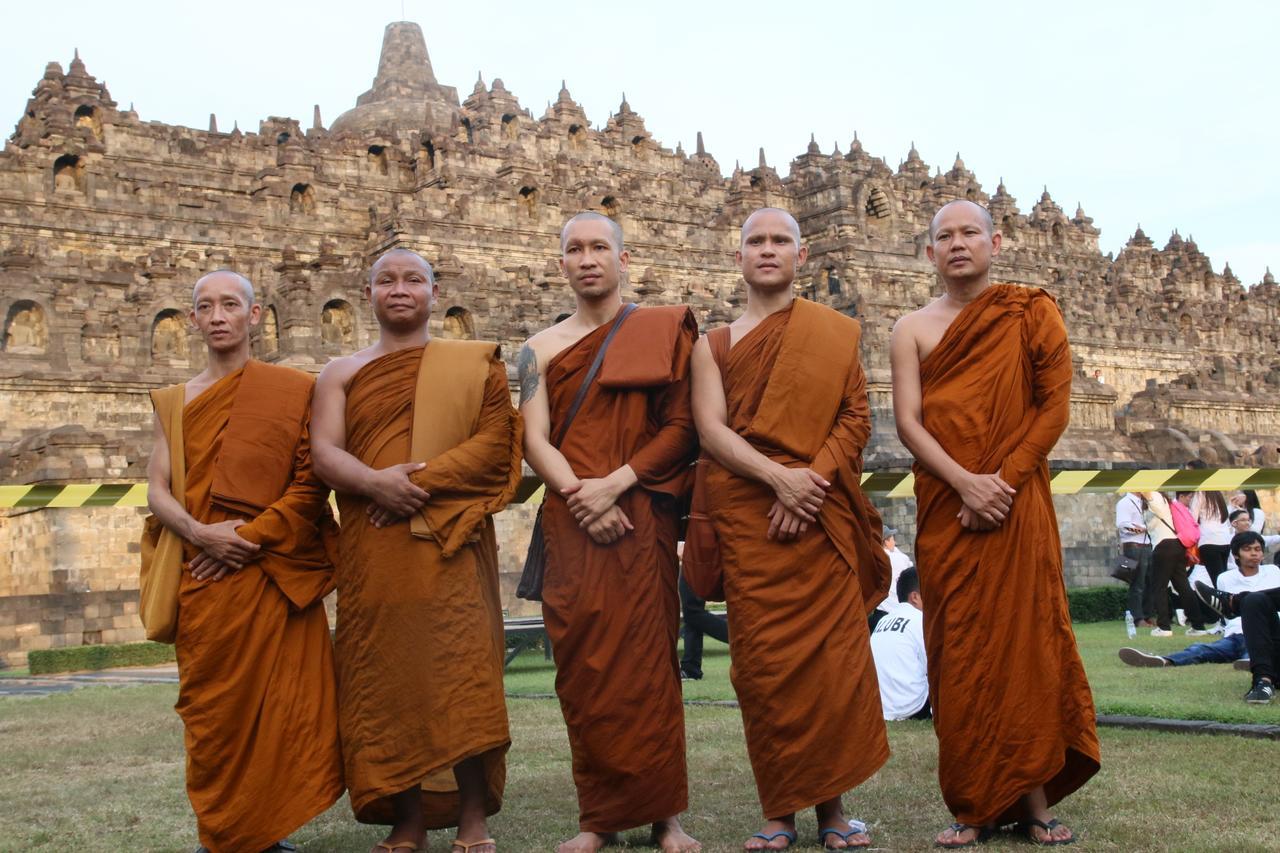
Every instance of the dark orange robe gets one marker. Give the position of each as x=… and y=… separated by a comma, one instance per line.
x=1011, y=705
x=419, y=639
x=612, y=611
x=798, y=635
x=255, y=664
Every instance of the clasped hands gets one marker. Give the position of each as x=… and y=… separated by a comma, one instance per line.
x=799, y=495
x=222, y=550
x=392, y=495
x=987, y=501
x=593, y=502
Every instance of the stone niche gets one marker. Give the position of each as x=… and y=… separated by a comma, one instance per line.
x=26, y=330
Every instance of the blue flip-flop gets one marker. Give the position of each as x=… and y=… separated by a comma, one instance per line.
x=781, y=833
x=855, y=827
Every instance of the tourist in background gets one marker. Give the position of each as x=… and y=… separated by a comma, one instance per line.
x=1250, y=576
x=898, y=562
x=1247, y=500
x=1240, y=524
x=1169, y=565
x=897, y=645
x=697, y=623
x=1135, y=543
x=1210, y=511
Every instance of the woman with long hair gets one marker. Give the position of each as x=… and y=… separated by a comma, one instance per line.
x=1212, y=514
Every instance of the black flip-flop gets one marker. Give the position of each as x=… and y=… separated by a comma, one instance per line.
x=983, y=836
x=1025, y=826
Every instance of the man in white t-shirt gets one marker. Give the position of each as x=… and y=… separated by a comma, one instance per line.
x=898, y=561
x=1249, y=577
x=897, y=645
x=1255, y=610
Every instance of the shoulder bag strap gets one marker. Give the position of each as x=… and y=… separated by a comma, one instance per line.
x=591, y=375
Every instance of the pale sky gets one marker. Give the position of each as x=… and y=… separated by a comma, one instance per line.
x=1163, y=113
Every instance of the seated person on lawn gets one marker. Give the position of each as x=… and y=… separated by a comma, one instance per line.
x=1256, y=608
x=1246, y=550
x=1242, y=521
x=897, y=645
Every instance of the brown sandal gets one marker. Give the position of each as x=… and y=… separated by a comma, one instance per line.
x=399, y=845
x=465, y=847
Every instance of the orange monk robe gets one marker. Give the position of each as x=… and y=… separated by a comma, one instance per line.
x=419, y=639
x=798, y=635
x=1011, y=705
x=612, y=611
x=255, y=665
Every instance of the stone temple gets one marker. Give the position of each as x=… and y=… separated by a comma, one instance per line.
x=107, y=220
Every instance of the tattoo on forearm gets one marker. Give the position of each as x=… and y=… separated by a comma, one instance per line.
x=527, y=370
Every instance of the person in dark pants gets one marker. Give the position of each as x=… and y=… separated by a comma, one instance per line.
x=697, y=621
x=1169, y=565
x=1135, y=543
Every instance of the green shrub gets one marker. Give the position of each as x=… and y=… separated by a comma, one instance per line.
x=1097, y=603
x=75, y=658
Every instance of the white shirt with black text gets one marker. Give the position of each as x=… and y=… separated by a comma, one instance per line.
x=897, y=645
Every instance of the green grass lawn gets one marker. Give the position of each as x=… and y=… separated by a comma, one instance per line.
x=101, y=770
x=1202, y=692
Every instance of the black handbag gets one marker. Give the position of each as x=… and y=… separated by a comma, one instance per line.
x=1125, y=569
x=535, y=562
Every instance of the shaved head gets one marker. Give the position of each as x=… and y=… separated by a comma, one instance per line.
x=987, y=223
x=615, y=230
x=245, y=285
x=391, y=253
x=772, y=211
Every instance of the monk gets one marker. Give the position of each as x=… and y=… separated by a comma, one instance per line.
x=614, y=480
x=420, y=440
x=255, y=665
x=981, y=393
x=781, y=406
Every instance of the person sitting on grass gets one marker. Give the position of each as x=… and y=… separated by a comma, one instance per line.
x=1251, y=575
x=1240, y=522
x=897, y=645
x=1256, y=607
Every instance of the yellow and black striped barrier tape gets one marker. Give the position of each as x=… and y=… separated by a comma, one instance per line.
x=893, y=484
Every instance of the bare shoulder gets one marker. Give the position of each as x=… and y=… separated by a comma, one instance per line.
x=922, y=329
x=337, y=373
x=921, y=316
x=196, y=385
x=548, y=343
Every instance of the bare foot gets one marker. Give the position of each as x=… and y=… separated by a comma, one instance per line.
x=587, y=842
x=959, y=835
x=670, y=837
x=773, y=829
